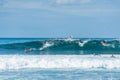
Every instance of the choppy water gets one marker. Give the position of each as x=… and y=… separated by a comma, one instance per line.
x=69, y=74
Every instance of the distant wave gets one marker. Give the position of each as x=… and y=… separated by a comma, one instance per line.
x=8, y=62
x=57, y=45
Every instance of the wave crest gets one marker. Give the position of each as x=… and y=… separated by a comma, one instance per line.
x=52, y=45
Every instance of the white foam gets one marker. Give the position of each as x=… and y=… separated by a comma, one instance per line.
x=83, y=43
x=69, y=38
x=46, y=45
x=52, y=61
x=108, y=45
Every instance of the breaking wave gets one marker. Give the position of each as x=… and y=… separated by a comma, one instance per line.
x=57, y=45
x=58, y=62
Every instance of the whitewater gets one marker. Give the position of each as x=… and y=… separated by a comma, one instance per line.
x=59, y=62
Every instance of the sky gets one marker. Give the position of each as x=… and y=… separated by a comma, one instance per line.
x=60, y=18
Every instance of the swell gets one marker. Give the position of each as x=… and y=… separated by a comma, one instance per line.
x=58, y=45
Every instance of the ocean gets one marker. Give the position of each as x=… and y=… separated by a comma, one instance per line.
x=59, y=59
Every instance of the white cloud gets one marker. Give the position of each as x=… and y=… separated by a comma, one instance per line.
x=37, y=4
x=53, y=5
x=91, y=12
x=72, y=1
x=20, y=4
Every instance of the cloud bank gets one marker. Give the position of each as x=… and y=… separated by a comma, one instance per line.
x=73, y=7
x=72, y=1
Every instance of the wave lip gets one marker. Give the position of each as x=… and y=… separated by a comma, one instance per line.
x=58, y=62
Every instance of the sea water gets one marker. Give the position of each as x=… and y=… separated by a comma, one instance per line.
x=59, y=59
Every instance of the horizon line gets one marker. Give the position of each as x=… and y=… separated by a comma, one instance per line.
x=59, y=37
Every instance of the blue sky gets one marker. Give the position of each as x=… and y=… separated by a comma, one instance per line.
x=60, y=18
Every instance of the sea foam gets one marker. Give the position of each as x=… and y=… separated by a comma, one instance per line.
x=8, y=62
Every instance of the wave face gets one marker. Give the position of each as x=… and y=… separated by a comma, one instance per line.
x=65, y=45
x=58, y=62
x=59, y=46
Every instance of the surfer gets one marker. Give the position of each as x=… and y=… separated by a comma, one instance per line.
x=104, y=43
x=96, y=54
x=26, y=50
x=30, y=49
x=81, y=43
x=112, y=56
x=70, y=38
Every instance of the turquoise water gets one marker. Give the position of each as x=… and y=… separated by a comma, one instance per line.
x=59, y=59
x=52, y=46
x=36, y=74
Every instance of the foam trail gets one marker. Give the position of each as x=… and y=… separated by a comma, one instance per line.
x=82, y=44
x=108, y=45
x=46, y=45
x=56, y=62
